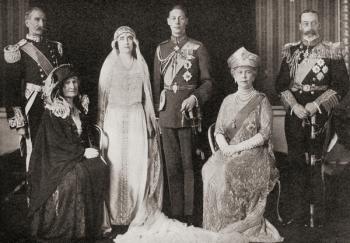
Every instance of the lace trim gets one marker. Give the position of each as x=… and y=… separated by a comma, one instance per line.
x=288, y=99
x=18, y=119
x=59, y=107
x=328, y=100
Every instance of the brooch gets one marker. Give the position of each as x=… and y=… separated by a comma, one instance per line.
x=175, y=88
x=187, y=76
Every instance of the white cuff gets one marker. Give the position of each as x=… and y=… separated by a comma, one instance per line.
x=291, y=110
x=195, y=99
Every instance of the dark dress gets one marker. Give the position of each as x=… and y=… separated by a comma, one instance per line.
x=66, y=190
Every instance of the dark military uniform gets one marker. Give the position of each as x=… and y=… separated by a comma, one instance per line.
x=181, y=69
x=310, y=72
x=25, y=72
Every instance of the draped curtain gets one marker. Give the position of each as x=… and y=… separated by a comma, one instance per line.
x=12, y=29
x=344, y=28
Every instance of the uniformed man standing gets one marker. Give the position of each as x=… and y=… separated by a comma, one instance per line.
x=181, y=85
x=27, y=64
x=312, y=80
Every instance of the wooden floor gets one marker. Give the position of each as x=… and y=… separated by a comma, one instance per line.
x=13, y=225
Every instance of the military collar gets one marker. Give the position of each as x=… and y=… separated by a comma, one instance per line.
x=179, y=40
x=314, y=42
x=34, y=38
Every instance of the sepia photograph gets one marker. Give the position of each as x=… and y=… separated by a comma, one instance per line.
x=165, y=121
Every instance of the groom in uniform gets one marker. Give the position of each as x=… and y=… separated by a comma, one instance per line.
x=181, y=85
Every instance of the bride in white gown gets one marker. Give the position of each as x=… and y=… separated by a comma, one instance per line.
x=126, y=114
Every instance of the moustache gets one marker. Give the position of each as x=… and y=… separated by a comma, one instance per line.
x=310, y=32
x=41, y=28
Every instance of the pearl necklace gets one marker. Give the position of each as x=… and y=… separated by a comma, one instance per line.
x=244, y=95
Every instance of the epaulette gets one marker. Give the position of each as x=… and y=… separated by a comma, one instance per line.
x=333, y=50
x=59, y=46
x=288, y=45
x=164, y=42
x=286, y=49
x=192, y=44
x=196, y=42
x=12, y=53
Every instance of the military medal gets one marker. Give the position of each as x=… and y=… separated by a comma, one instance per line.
x=320, y=69
x=188, y=64
x=325, y=69
x=320, y=76
x=175, y=88
x=234, y=123
x=187, y=76
x=307, y=54
x=320, y=62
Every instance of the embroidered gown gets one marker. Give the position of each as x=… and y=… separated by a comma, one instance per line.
x=66, y=190
x=123, y=112
x=126, y=113
x=236, y=187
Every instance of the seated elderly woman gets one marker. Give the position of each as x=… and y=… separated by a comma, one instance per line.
x=66, y=179
x=239, y=176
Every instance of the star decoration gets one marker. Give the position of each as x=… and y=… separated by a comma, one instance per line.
x=316, y=69
x=320, y=76
x=188, y=65
x=325, y=69
x=320, y=62
x=187, y=76
x=233, y=123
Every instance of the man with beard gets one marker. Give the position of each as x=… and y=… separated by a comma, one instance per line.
x=312, y=80
x=27, y=65
x=181, y=85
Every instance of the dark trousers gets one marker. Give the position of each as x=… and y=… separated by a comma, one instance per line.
x=305, y=181
x=177, y=145
x=34, y=117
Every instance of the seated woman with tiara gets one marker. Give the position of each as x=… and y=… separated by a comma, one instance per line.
x=239, y=176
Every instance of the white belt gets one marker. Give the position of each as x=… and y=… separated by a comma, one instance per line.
x=31, y=88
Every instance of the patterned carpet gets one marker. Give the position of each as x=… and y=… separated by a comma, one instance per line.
x=13, y=225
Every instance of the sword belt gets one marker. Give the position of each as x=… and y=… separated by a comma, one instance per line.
x=308, y=87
